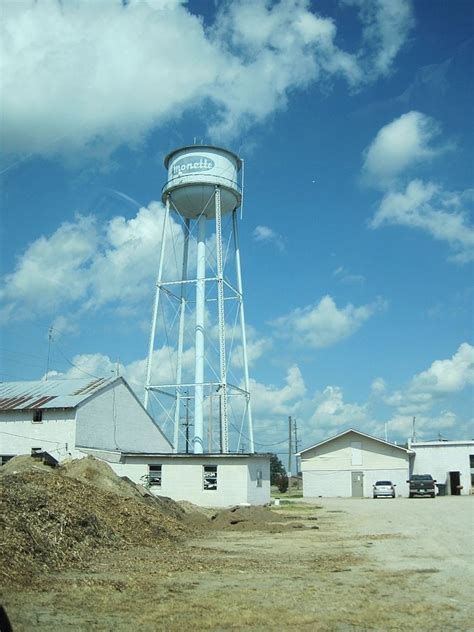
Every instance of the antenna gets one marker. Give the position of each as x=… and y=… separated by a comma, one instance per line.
x=413, y=434
x=50, y=338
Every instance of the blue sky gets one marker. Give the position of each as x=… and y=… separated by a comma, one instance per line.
x=354, y=119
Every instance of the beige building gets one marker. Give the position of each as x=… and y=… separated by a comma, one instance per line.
x=349, y=464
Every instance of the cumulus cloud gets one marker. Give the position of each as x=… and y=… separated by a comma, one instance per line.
x=268, y=235
x=387, y=24
x=324, y=324
x=447, y=376
x=255, y=350
x=269, y=400
x=428, y=427
x=347, y=278
x=378, y=386
x=99, y=265
x=101, y=365
x=331, y=411
x=441, y=214
x=94, y=75
x=441, y=379
x=399, y=145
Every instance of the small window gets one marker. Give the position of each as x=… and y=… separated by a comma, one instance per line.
x=210, y=476
x=154, y=475
x=37, y=416
x=471, y=461
x=259, y=478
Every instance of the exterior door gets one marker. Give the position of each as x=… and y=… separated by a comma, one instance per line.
x=358, y=484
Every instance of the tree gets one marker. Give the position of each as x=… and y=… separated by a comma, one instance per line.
x=276, y=469
x=283, y=483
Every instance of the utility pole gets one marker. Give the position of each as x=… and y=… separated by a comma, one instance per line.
x=50, y=338
x=295, y=429
x=187, y=424
x=289, y=448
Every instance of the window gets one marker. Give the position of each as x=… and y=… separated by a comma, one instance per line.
x=259, y=478
x=210, y=476
x=37, y=416
x=154, y=475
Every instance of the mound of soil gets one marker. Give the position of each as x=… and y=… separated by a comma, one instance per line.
x=246, y=519
x=98, y=473
x=51, y=521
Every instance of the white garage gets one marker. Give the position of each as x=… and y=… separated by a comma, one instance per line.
x=349, y=463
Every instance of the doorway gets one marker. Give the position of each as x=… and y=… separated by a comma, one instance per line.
x=357, y=484
x=455, y=483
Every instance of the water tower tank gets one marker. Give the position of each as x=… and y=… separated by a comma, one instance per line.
x=193, y=174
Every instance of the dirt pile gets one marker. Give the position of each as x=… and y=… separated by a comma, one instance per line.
x=247, y=519
x=51, y=521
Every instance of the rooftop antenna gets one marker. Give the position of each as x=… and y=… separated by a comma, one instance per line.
x=413, y=434
x=50, y=338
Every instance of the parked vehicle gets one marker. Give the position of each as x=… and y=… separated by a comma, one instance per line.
x=384, y=489
x=422, y=485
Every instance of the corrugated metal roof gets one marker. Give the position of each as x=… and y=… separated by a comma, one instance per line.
x=50, y=394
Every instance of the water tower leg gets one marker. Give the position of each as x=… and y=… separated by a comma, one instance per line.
x=156, y=304
x=199, y=335
x=221, y=326
x=182, y=312
x=242, y=328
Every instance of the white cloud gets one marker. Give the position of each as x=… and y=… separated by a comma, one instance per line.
x=100, y=365
x=324, y=324
x=378, y=386
x=268, y=400
x=268, y=235
x=48, y=274
x=347, y=278
x=447, y=376
x=441, y=379
x=331, y=411
x=89, y=266
x=255, y=350
x=427, y=207
x=399, y=145
x=387, y=24
x=427, y=427
x=94, y=75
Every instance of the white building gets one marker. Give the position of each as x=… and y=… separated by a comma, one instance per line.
x=104, y=418
x=209, y=480
x=349, y=464
x=450, y=463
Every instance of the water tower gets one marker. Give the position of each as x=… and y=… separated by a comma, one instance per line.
x=208, y=386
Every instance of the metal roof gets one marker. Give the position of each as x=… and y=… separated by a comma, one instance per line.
x=49, y=394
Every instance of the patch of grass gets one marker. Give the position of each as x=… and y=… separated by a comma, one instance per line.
x=294, y=507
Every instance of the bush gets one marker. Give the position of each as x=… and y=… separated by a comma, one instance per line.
x=282, y=483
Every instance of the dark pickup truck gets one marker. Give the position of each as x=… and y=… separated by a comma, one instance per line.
x=422, y=485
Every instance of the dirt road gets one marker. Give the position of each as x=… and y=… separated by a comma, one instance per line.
x=346, y=564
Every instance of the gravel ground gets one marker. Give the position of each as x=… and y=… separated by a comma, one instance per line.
x=347, y=564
